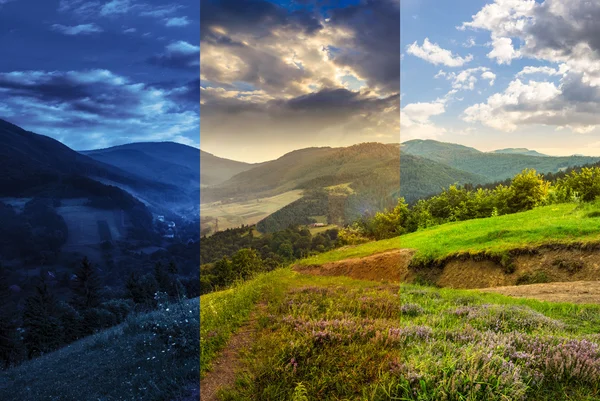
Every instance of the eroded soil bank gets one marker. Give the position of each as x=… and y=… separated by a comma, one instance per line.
x=541, y=265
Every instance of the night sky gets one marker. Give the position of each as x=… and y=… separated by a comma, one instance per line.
x=282, y=75
x=94, y=74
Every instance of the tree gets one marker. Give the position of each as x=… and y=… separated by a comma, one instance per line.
x=224, y=272
x=10, y=343
x=163, y=279
x=528, y=190
x=585, y=184
x=43, y=331
x=86, y=286
x=389, y=224
x=246, y=262
x=142, y=289
x=286, y=250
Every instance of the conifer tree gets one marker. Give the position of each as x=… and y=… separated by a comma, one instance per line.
x=10, y=342
x=86, y=286
x=40, y=321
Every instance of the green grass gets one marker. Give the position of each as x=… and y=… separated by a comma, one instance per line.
x=223, y=312
x=152, y=356
x=564, y=223
x=340, y=339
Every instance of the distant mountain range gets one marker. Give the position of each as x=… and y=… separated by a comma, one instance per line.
x=166, y=178
x=519, y=151
x=493, y=166
x=160, y=175
x=216, y=170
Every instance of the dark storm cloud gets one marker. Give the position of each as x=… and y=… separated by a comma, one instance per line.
x=563, y=32
x=374, y=50
x=254, y=17
x=334, y=105
x=95, y=100
x=336, y=100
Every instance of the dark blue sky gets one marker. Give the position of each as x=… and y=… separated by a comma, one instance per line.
x=103, y=72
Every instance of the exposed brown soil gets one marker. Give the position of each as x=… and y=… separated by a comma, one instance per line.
x=542, y=264
x=585, y=292
x=389, y=266
x=228, y=363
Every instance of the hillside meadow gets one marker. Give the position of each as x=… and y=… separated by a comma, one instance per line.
x=152, y=356
x=334, y=338
x=561, y=223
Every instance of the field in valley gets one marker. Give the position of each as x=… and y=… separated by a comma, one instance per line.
x=249, y=212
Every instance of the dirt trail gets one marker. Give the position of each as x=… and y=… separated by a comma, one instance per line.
x=227, y=364
x=575, y=292
x=386, y=266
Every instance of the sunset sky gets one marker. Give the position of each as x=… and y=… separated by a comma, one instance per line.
x=95, y=73
x=282, y=75
x=509, y=73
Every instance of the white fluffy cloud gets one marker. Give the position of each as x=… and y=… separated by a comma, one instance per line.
x=562, y=33
x=415, y=120
x=433, y=53
x=466, y=79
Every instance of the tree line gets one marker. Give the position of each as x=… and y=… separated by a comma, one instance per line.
x=523, y=192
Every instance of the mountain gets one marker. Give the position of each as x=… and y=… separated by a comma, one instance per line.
x=216, y=170
x=31, y=162
x=366, y=167
x=519, y=151
x=421, y=177
x=165, y=162
x=492, y=166
x=311, y=168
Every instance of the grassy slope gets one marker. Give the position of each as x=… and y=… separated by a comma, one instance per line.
x=152, y=356
x=223, y=312
x=337, y=338
x=565, y=223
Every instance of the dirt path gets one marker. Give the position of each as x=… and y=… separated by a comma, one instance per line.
x=575, y=292
x=226, y=365
x=386, y=266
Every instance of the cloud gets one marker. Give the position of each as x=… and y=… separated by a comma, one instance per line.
x=503, y=51
x=177, y=21
x=371, y=46
x=84, y=29
x=466, y=79
x=571, y=104
x=470, y=43
x=295, y=78
x=490, y=76
x=238, y=118
x=130, y=30
x=178, y=55
x=92, y=9
x=415, y=119
x=116, y=7
x=434, y=54
x=67, y=104
x=529, y=70
x=559, y=32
